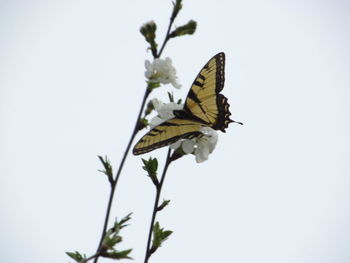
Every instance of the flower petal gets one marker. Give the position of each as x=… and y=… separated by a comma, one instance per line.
x=188, y=146
x=202, y=153
x=155, y=121
x=176, y=145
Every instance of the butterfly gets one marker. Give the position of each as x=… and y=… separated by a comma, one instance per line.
x=204, y=106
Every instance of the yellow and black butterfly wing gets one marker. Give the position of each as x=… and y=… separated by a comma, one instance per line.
x=204, y=106
x=204, y=100
x=167, y=133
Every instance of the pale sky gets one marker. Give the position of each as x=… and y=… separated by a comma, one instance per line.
x=274, y=190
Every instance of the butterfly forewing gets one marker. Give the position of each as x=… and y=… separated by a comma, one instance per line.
x=203, y=101
x=167, y=133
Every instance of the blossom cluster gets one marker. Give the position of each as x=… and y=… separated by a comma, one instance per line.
x=161, y=71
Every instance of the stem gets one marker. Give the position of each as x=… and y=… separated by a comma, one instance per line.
x=167, y=36
x=115, y=180
x=87, y=259
x=155, y=207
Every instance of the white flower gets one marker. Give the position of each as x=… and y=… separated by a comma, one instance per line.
x=165, y=111
x=201, y=146
x=161, y=71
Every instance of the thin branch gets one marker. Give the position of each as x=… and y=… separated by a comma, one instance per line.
x=87, y=259
x=167, y=36
x=156, y=204
x=115, y=181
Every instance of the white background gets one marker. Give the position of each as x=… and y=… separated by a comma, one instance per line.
x=274, y=190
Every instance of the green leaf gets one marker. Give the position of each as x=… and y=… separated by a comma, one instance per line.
x=151, y=166
x=149, y=108
x=76, y=256
x=112, y=237
x=111, y=240
x=156, y=235
x=171, y=96
x=107, y=168
x=176, y=9
x=124, y=254
x=164, y=204
x=159, y=236
x=148, y=30
x=187, y=29
x=166, y=234
x=122, y=222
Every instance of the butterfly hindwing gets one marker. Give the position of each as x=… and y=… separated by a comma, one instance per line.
x=167, y=133
x=204, y=99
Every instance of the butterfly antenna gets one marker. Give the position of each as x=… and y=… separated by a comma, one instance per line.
x=238, y=122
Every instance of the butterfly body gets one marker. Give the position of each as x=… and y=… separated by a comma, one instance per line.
x=204, y=106
x=186, y=115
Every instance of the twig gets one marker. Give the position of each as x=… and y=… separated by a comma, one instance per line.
x=156, y=204
x=87, y=259
x=167, y=36
x=115, y=180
